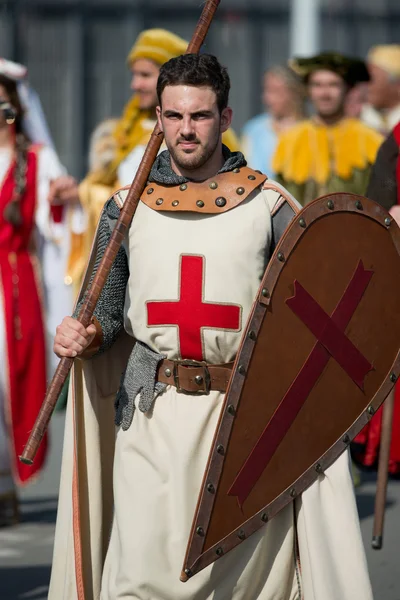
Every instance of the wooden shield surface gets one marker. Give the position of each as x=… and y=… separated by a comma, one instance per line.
x=319, y=355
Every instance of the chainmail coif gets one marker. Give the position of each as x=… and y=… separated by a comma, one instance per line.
x=162, y=173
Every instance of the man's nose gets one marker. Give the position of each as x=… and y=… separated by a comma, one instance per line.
x=187, y=127
x=135, y=84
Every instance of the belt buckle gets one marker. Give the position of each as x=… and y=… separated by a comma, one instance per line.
x=206, y=383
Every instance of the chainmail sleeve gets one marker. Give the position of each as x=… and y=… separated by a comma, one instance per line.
x=109, y=310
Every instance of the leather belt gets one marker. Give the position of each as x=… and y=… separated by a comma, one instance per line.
x=193, y=377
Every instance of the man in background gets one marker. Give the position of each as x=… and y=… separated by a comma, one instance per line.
x=328, y=152
x=383, y=109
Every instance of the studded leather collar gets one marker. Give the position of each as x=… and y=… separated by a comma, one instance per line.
x=217, y=195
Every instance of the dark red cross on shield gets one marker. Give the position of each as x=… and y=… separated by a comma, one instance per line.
x=332, y=342
x=190, y=312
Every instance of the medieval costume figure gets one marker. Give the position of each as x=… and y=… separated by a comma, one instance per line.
x=329, y=152
x=182, y=286
x=93, y=194
x=117, y=156
x=283, y=99
x=29, y=238
x=382, y=110
x=384, y=188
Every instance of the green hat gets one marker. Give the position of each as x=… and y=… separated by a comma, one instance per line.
x=352, y=70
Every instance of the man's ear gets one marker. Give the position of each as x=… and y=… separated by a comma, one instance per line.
x=226, y=119
x=158, y=113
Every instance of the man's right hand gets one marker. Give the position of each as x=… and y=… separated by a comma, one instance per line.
x=72, y=338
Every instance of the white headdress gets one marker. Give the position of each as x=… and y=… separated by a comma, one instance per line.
x=34, y=122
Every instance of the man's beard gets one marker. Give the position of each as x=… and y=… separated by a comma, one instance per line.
x=196, y=159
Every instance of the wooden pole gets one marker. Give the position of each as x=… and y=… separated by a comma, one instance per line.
x=123, y=223
x=381, y=486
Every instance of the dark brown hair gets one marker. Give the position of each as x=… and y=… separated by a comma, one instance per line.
x=12, y=210
x=196, y=70
x=11, y=89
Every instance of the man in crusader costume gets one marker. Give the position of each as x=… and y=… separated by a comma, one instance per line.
x=181, y=288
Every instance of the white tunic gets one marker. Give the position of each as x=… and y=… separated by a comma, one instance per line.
x=160, y=460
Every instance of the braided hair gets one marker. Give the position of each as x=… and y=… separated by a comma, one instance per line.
x=12, y=211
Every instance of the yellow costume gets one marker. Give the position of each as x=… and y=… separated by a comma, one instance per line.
x=313, y=159
x=132, y=130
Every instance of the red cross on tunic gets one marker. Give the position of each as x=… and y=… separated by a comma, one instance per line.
x=190, y=313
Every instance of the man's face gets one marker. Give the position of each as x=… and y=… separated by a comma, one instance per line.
x=277, y=97
x=382, y=92
x=144, y=82
x=192, y=124
x=327, y=93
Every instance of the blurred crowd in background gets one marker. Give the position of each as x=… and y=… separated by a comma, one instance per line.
x=325, y=118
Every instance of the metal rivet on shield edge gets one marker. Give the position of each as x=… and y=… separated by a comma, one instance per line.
x=210, y=488
x=231, y=410
x=200, y=531
x=359, y=206
x=241, y=535
x=252, y=335
x=346, y=438
x=371, y=410
x=293, y=493
x=242, y=370
x=318, y=468
x=281, y=256
x=393, y=377
x=388, y=220
x=330, y=205
x=265, y=293
x=220, y=449
x=219, y=551
x=188, y=572
x=264, y=517
x=302, y=223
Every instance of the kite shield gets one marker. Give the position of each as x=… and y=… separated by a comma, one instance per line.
x=318, y=357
